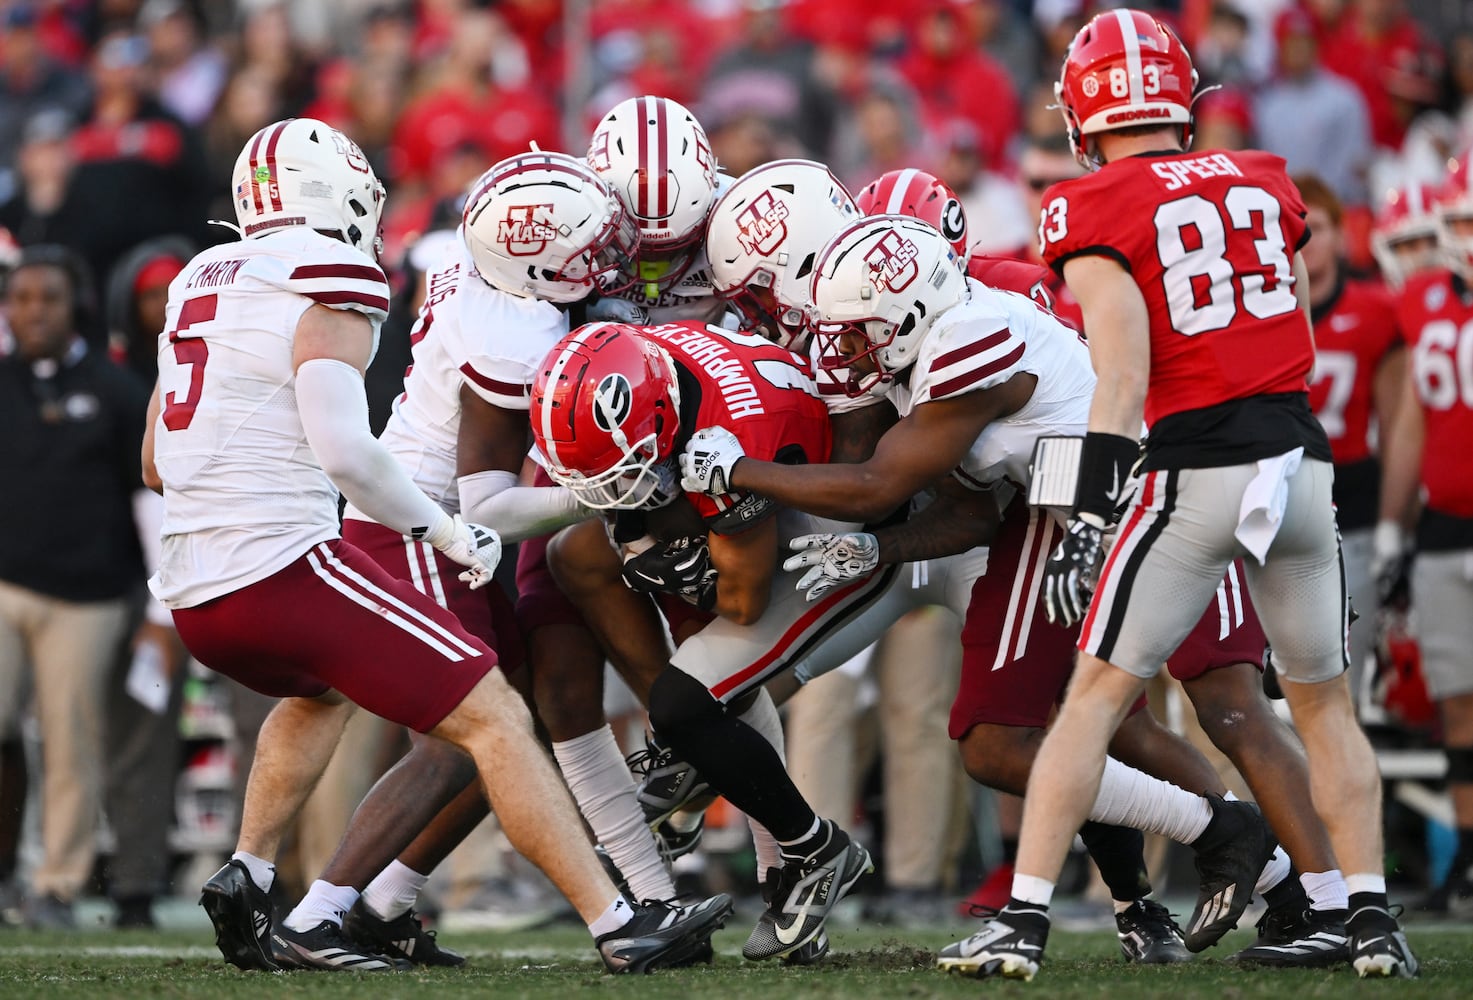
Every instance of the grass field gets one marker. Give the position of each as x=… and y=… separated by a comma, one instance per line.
x=558, y=962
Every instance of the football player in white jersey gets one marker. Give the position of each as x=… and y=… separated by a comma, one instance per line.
x=976, y=376
x=261, y=420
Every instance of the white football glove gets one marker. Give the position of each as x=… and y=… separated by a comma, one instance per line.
x=471, y=545
x=833, y=560
x=707, y=460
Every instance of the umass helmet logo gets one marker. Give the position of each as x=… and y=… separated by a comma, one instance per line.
x=892, y=262
x=522, y=234
x=612, y=401
x=760, y=226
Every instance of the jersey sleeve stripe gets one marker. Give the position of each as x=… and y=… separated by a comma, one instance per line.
x=492, y=385
x=976, y=347
x=379, y=302
x=951, y=385
x=1093, y=250
x=350, y=272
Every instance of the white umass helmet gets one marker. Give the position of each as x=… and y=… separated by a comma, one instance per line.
x=656, y=156
x=545, y=226
x=886, y=278
x=763, y=240
x=303, y=172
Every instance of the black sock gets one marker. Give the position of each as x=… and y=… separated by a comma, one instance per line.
x=1370, y=909
x=1289, y=892
x=1119, y=853
x=1009, y=850
x=735, y=758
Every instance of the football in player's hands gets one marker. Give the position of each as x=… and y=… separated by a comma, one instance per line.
x=682, y=567
x=707, y=460
x=832, y=560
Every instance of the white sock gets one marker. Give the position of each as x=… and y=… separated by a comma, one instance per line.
x=1274, y=872
x=263, y=872
x=1326, y=890
x=617, y=915
x=1364, y=882
x=1132, y=798
x=324, y=901
x=601, y=784
x=393, y=891
x=769, y=855
x=1030, y=889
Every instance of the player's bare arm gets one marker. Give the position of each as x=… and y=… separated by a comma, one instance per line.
x=333, y=335
x=957, y=520
x=491, y=438
x=914, y=453
x=151, y=477
x=1401, y=458
x=1119, y=345
x=744, y=564
x=857, y=432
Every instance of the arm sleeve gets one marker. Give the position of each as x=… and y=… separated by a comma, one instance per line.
x=334, y=413
x=514, y=512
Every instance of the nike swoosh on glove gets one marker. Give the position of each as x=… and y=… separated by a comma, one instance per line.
x=832, y=560
x=1069, y=575
x=474, y=546
x=682, y=567
x=707, y=460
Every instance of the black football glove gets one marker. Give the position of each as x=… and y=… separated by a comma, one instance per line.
x=1069, y=576
x=682, y=567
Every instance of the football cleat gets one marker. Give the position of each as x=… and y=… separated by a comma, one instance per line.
x=805, y=891
x=1382, y=953
x=325, y=948
x=1149, y=935
x=1297, y=938
x=676, y=843
x=666, y=782
x=1231, y=853
x=664, y=935
x=243, y=916
x=1010, y=944
x=809, y=954
x=403, y=937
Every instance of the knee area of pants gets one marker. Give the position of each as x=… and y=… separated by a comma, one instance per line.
x=678, y=701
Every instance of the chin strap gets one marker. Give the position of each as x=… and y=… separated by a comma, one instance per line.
x=228, y=225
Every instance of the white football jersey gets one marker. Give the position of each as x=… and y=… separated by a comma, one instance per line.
x=982, y=343
x=244, y=495
x=467, y=334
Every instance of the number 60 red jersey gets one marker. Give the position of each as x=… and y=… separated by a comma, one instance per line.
x=1210, y=239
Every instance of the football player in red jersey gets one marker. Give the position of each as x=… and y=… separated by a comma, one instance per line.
x=1427, y=454
x=1359, y=368
x=1196, y=307
x=1404, y=234
x=609, y=410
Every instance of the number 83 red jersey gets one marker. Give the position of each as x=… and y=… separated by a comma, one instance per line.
x=1210, y=239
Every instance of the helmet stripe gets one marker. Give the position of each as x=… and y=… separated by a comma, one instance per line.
x=662, y=167
x=642, y=180
x=555, y=373
x=896, y=205
x=1125, y=18
x=275, y=185
x=251, y=162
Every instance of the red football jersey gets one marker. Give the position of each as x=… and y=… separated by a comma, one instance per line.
x=1351, y=337
x=763, y=394
x=1026, y=278
x=1210, y=239
x=1436, y=314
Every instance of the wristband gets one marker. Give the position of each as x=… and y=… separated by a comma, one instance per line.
x=1105, y=464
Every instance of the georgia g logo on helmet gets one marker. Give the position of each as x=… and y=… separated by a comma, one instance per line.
x=612, y=401
x=893, y=262
x=760, y=226
x=953, y=220
x=523, y=235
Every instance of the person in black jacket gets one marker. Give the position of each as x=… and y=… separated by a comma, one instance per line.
x=71, y=430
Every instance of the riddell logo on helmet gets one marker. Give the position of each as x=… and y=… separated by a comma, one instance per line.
x=1136, y=114
x=760, y=226
x=893, y=262
x=523, y=235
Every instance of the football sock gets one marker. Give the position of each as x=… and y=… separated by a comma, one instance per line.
x=1032, y=892
x=1275, y=871
x=617, y=915
x=600, y=782
x=805, y=844
x=1118, y=852
x=263, y=872
x=393, y=891
x=1009, y=850
x=1132, y=798
x=769, y=855
x=324, y=901
x=1326, y=890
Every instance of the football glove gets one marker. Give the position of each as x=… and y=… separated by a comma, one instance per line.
x=474, y=546
x=1069, y=576
x=1391, y=566
x=707, y=460
x=832, y=560
x=682, y=567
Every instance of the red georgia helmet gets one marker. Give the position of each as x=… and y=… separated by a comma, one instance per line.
x=922, y=195
x=1408, y=215
x=1124, y=69
x=605, y=411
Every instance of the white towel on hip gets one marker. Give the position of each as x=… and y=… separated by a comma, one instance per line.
x=1262, y=510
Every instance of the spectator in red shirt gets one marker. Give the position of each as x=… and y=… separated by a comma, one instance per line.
x=1379, y=48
